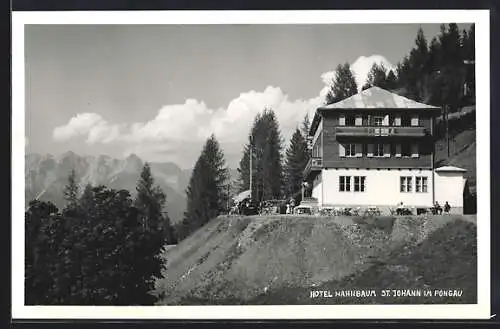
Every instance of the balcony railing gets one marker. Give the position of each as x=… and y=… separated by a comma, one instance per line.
x=314, y=164
x=381, y=131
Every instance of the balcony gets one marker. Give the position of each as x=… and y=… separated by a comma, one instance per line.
x=313, y=165
x=374, y=131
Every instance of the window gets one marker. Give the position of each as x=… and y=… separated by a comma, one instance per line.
x=406, y=149
x=350, y=150
x=378, y=150
x=345, y=184
x=414, y=150
x=359, y=120
x=414, y=120
x=405, y=184
x=350, y=120
x=397, y=120
x=359, y=183
x=405, y=121
x=421, y=184
x=378, y=121
x=317, y=148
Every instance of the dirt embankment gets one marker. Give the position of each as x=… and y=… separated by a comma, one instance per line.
x=281, y=259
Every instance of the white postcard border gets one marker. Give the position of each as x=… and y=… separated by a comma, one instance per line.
x=477, y=311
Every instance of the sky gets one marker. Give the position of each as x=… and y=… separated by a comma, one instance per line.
x=160, y=90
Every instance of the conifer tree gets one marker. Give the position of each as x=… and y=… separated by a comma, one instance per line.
x=71, y=189
x=343, y=85
x=266, y=142
x=207, y=189
x=39, y=258
x=296, y=160
x=150, y=204
x=306, y=124
x=391, y=81
x=376, y=77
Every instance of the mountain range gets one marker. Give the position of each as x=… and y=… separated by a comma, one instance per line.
x=46, y=175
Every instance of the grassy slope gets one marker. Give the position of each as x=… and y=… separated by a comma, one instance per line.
x=462, y=154
x=278, y=260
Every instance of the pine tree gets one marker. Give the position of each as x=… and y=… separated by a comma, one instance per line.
x=39, y=259
x=218, y=178
x=207, y=189
x=305, y=127
x=296, y=160
x=343, y=85
x=305, y=134
x=150, y=203
x=150, y=200
x=376, y=77
x=71, y=189
x=391, y=81
x=265, y=140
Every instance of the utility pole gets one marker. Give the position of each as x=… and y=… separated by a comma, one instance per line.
x=251, y=156
x=447, y=131
x=228, y=197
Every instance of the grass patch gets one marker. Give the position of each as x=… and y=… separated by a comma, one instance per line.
x=447, y=259
x=384, y=223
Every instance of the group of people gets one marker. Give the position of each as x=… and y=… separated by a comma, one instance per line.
x=240, y=208
x=436, y=209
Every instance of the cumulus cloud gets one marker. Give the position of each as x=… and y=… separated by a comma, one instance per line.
x=360, y=67
x=178, y=131
x=91, y=125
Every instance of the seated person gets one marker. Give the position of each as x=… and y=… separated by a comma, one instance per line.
x=447, y=208
x=437, y=209
x=399, y=208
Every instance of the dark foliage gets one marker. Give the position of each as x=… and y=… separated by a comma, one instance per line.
x=101, y=249
x=343, y=85
x=296, y=160
x=267, y=168
x=207, y=190
x=440, y=73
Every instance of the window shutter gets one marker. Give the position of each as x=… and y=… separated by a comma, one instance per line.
x=387, y=150
x=414, y=120
x=398, y=150
x=414, y=150
x=359, y=150
x=370, y=150
x=342, y=120
x=386, y=120
x=341, y=150
x=359, y=120
x=397, y=120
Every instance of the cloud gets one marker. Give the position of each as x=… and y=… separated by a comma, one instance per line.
x=361, y=67
x=86, y=124
x=178, y=131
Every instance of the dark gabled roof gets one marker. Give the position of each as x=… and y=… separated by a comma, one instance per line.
x=371, y=98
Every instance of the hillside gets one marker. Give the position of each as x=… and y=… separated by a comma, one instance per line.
x=462, y=145
x=279, y=260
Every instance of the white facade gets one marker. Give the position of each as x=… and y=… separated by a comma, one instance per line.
x=381, y=187
x=450, y=183
x=317, y=189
